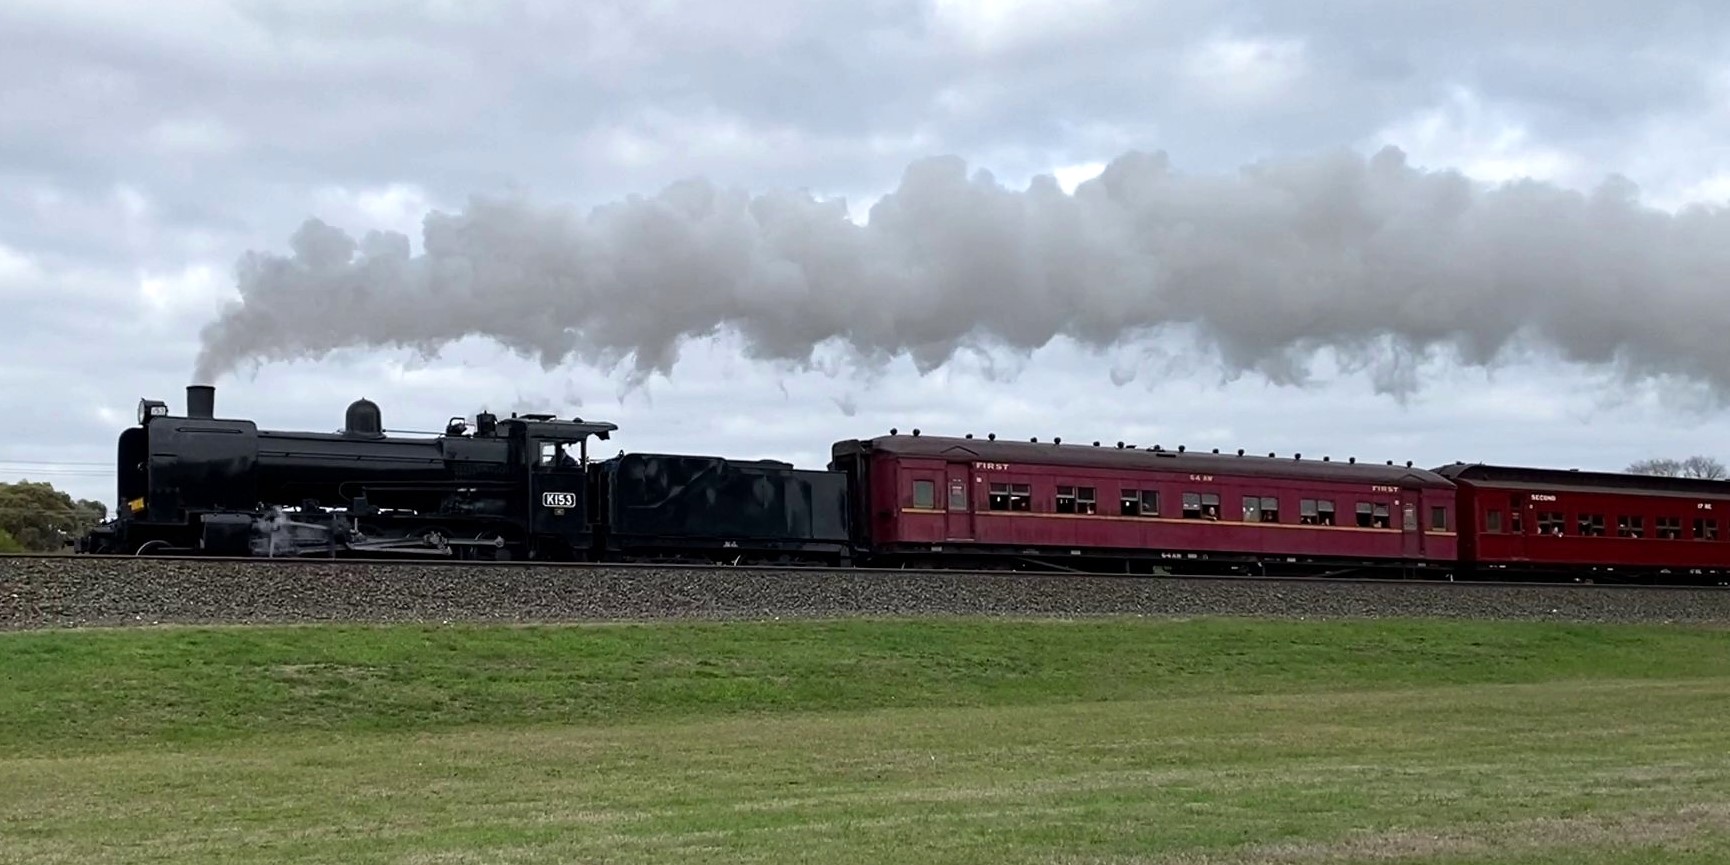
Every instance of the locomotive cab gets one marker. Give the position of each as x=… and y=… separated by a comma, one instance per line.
x=558, y=515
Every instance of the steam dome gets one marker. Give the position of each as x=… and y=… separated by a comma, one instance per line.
x=364, y=419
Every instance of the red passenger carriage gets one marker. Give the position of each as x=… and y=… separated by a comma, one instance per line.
x=1549, y=522
x=923, y=499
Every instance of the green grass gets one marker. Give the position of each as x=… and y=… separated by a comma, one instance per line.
x=955, y=741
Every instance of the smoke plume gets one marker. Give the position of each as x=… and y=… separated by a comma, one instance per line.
x=1270, y=264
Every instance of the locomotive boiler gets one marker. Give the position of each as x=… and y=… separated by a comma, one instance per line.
x=510, y=487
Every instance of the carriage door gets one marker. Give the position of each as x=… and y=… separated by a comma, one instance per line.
x=958, y=502
x=1520, y=520
x=1411, y=522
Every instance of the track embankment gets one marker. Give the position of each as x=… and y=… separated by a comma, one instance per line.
x=38, y=592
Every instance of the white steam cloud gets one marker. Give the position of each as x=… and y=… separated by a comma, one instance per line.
x=1269, y=264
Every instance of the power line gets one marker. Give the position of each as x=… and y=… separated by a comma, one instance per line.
x=6, y=462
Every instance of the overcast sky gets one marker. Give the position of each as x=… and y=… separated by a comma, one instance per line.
x=146, y=148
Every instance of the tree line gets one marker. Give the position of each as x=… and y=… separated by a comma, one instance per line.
x=37, y=518
x=1692, y=467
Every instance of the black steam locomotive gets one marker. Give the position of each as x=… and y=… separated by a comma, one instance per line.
x=509, y=488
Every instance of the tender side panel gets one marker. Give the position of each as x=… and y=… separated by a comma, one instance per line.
x=710, y=500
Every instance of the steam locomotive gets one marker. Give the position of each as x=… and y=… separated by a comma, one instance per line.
x=518, y=487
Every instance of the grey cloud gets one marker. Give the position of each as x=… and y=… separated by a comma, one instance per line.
x=510, y=92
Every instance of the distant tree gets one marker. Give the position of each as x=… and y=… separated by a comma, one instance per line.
x=1703, y=467
x=1693, y=467
x=1659, y=466
x=9, y=544
x=43, y=519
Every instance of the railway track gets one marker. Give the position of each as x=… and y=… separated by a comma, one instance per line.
x=57, y=591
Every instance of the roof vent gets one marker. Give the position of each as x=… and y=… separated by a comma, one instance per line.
x=1180, y=448
x=1057, y=441
x=1352, y=460
x=1096, y=444
x=1327, y=459
x=991, y=436
x=1240, y=452
x=970, y=435
x=1297, y=456
x=1216, y=450
x=894, y=431
x=1034, y=439
x=915, y=432
x=1120, y=445
x=1408, y=464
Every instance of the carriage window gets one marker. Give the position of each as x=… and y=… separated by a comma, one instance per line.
x=1591, y=525
x=1516, y=522
x=1550, y=523
x=924, y=494
x=1316, y=512
x=1439, y=519
x=1493, y=521
x=1139, y=503
x=957, y=495
x=1201, y=506
x=1373, y=515
x=1076, y=500
x=1011, y=497
x=1669, y=528
x=1705, y=530
x=1260, y=509
x=1631, y=527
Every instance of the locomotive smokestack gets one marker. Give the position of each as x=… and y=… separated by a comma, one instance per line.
x=201, y=401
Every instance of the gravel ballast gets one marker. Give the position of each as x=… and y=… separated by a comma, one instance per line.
x=74, y=592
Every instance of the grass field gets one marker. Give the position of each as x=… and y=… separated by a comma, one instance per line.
x=951, y=741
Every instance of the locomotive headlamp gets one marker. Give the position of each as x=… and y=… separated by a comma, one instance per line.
x=149, y=408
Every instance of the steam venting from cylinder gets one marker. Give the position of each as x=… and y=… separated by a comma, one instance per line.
x=1376, y=260
x=201, y=401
